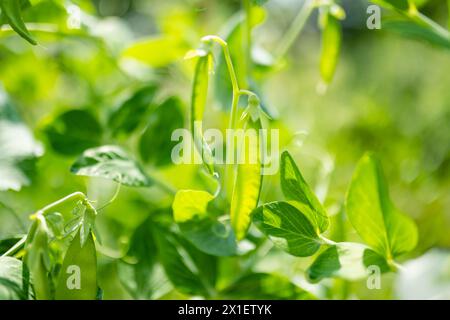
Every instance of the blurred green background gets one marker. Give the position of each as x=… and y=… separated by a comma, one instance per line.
x=390, y=94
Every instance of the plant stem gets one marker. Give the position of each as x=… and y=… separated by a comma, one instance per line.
x=294, y=30
x=116, y=193
x=73, y=196
x=15, y=247
x=247, y=39
x=420, y=18
x=448, y=14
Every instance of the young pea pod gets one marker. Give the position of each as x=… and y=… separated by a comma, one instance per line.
x=12, y=12
x=78, y=277
x=331, y=46
x=198, y=104
x=37, y=259
x=248, y=180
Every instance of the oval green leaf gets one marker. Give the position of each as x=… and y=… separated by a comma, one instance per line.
x=294, y=187
x=111, y=162
x=372, y=214
x=288, y=228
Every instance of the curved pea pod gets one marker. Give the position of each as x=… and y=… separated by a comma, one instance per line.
x=198, y=104
x=331, y=46
x=12, y=12
x=37, y=260
x=78, y=277
x=248, y=181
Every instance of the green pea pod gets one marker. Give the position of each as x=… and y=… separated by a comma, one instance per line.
x=37, y=259
x=331, y=45
x=78, y=277
x=247, y=185
x=11, y=11
x=198, y=104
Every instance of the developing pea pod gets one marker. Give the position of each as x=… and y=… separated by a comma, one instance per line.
x=198, y=104
x=247, y=185
x=331, y=46
x=78, y=277
x=37, y=259
x=12, y=12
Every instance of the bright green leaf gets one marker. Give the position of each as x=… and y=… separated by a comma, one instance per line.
x=288, y=228
x=372, y=214
x=416, y=31
x=111, y=162
x=11, y=10
x=345, y=260
x=294, y=187
x=393, y=4
x=190, y=210
x=157, y=51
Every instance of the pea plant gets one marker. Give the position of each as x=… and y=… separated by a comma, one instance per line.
x=206, y=241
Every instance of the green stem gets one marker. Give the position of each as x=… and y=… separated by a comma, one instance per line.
x=116, y=193
x=326, y=241
x=448, y=15
x=420, y=18
x=295, y=29
x=236, y=92
x=71, y=197
x=247, y=39
x=15, y=247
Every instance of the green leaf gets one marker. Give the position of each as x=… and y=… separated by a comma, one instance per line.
x=190, y=211
x=371, y=212
x=263, y=286
x=248, y=179
x=144, y=278
x=287, y=227
x=111, y=162
x=155, y=144
x=331, y=46
x=157, y=51
x=294, y=187
x=11, y=283
x=7, y=243
x=416, y=31
x=16, y=159
x=180, y=264
x=393, y=4
x=11, y=10
x=67, y=136
x=78, y=277
x=198, y=105
x=127, y=117
x=345, y=260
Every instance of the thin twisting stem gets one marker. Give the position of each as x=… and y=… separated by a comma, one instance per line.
x=294, y=30
x=73, y=196
x=116, y=193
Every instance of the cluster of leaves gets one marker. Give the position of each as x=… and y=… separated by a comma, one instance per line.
x=181, y=246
